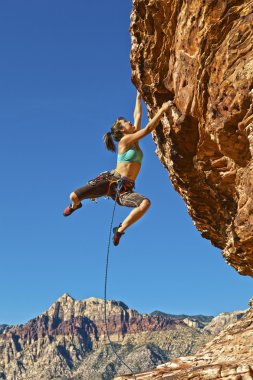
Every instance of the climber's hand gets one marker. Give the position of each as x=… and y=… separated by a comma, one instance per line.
x=166, y=106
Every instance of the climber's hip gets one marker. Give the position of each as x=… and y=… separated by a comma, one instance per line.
x=113, y=185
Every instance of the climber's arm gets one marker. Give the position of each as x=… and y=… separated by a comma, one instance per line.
x=152, y=124
x=137, y=112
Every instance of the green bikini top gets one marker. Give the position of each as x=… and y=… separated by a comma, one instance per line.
x=131, y=155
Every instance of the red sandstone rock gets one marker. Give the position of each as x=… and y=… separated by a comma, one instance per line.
x=200, y=54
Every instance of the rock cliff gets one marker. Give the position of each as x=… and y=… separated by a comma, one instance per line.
x=68, y=341
x=199, y=54
x=229, y=356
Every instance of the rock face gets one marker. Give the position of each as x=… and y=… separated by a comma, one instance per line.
x=229, y=356
x=200, y=54
x=68, y=341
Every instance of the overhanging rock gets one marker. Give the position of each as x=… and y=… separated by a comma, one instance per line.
x=200, y=54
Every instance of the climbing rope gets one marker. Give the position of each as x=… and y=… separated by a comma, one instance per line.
x=105, y=290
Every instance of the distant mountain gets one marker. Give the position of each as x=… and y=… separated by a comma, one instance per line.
x=3, y=328
x=223, y=320
x=69, y=342
x=197, y=321
x=202, y=318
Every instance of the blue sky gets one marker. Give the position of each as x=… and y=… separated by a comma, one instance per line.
x=65, y=76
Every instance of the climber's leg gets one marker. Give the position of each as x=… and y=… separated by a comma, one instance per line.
x=135, y=215
x=95, y=188
x=130, y=199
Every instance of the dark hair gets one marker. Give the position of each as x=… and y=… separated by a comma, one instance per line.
x=114, y=134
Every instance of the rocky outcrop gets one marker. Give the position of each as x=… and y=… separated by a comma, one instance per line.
x=199, y=54
x=229, y=356
x=68, y=341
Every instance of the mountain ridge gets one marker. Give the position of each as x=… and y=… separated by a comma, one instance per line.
x=69, y=340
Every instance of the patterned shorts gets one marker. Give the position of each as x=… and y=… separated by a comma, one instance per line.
x=105, y=184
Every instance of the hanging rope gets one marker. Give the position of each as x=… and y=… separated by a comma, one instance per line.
x=105, y=290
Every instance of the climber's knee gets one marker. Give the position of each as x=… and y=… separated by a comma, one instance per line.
x=74, y=198
x=145, y=204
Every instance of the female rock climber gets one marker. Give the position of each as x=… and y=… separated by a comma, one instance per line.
x=119, y=183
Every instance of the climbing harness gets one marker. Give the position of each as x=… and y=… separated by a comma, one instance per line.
x=125, y=184
x=119, y=184
x=122, y=184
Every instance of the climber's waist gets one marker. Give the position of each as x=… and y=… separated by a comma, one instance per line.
x=113, y=176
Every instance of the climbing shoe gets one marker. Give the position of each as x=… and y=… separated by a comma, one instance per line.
x=69, y=210
x=117, y=235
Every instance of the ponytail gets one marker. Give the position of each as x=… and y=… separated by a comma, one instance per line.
x=109, y=142
x=114, y=134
